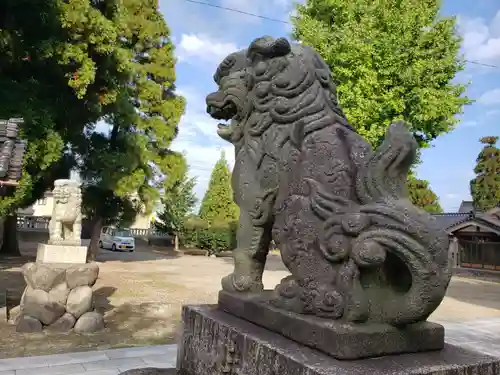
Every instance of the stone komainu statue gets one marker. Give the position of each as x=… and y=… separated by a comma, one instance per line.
x=357, y=249
x=66, y=221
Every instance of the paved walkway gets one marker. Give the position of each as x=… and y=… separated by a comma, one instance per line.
x=103, y=362
x=480, y=335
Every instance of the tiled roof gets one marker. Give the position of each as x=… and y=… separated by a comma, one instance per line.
x=466, y=207
x=447, y=220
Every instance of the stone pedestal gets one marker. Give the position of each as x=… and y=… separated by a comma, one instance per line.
x=59, y=297
x=338, y=339
x=216, y=343
x=47, y=253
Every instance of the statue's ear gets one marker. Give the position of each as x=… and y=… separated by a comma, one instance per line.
x=268, y=47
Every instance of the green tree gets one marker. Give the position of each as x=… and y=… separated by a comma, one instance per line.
x=218, y=204
x=178, y=201
x=391, y=60
x=68, y=64
x=129, y=165
x=59, y=76
x=485, y=187
x=422, y=196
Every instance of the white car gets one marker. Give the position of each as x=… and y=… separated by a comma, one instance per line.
x=116, y=239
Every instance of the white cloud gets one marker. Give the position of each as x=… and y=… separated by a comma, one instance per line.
x=468, y=124
x=199, y=141
x=491, y=97
x=481, y=41
x=202, y=48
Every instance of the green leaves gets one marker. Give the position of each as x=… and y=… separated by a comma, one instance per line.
x=218, y=204
x=178, y=201
x=422, y=196
x=392, y=60
x=485, y=187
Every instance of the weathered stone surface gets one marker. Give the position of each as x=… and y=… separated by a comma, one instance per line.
x=79, y=301
x=357, y=249
x=65, y=225
x=341, y=340
x=43, y=276
x=151, y=371
x=64, y=324
x=82, y=275
x=61, y=254
x=59, y=294
x=89, y=322
x=14, y=314
x=215, y=342
x=28, y=324
x=36, y=303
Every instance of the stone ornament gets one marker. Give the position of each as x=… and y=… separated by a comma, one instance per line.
x=357, y=249
x=65, y=225
x=12, y=149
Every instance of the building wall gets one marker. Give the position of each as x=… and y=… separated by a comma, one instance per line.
x=43, y=207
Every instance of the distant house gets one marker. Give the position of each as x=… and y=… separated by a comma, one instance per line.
x=42, y=209
x=475, y=237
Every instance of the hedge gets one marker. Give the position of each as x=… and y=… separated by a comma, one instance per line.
x=217, y=237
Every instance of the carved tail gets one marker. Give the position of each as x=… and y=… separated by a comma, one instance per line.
x=407, y=234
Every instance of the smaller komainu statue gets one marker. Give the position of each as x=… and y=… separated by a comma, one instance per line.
x=66, y=223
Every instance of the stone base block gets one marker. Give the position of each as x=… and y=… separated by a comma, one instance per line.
x=338, y=339
x=61, y=254
x=216, y=343
x=59, y=297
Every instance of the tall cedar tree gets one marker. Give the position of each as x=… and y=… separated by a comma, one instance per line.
x=178, y=202
x=63, y=73
x=218, y=204
x=485, y=187
x=129, y=165
x=59, y=76
x=422, y=196
x=391, y=60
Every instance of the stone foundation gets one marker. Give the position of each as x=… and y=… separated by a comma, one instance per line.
x=215, y=343
x=61, y=253
x=59, y=297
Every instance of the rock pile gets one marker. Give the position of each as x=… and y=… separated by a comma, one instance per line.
x=59, y=297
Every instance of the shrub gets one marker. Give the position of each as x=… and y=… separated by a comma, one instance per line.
x=217, y=237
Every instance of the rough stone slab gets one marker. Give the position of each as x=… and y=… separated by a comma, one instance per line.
x=61, y=254
x=215, y=342
x=337, y=339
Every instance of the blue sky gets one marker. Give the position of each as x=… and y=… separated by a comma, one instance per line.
x=204, y=35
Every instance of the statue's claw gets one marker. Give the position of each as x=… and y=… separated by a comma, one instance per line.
x=239, y=284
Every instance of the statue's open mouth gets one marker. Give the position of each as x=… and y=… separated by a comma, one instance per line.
x=226, y=110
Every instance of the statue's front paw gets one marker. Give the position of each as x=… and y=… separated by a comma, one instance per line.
x=241, y=284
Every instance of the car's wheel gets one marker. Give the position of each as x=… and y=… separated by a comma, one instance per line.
x=100, y=245
x=131, y=250
x=113, y=247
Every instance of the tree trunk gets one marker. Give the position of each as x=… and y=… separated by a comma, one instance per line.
x=10, y=244
x=93, y=248
x=176, y=242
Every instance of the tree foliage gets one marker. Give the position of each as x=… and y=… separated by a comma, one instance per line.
x=218, y=204
x=178, y=201
x=422, y=196
x=485, y=187
x=67, y=64
x=391, y=60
